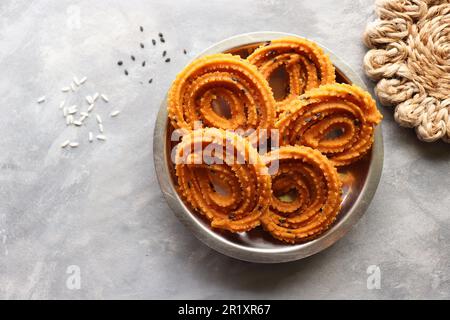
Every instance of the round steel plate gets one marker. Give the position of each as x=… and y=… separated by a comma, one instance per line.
x=360, y=180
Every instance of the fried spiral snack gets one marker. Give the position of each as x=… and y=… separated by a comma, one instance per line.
x=294, y=192
x=221, y=76
x=224, y=178
x=305, y=62
x=317, y=115
x=317, y=187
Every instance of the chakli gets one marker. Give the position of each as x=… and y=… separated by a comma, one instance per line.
x=410, y=59
x=294, y=191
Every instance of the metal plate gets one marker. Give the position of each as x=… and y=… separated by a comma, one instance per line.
x=360, y=181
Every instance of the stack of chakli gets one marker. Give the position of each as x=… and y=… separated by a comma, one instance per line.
x=293, y=192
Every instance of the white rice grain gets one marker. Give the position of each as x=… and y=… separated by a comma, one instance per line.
x=91, y=137
x=99, y=119
x=72, y=87
x=76, y=81
x=84, y=114
x=114, y=113
x=100, y=128
x=65, y=112
x=83, y=80
x=65, y=143
x=105, y=98
x=65, y=89
x=73, y=110
x=41, y=99
x=78, y=123
x=101, y=137
x=89, y=100
x=61, y=105
x=95, y=97
x=74, y=144
x=90, y=108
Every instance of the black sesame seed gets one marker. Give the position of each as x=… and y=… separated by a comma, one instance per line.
x=133, y=58
x=154, y=42
x=141, y=28
x=150, y=81
x=184, y=51
x=162, y=40
x=120, y=63
x=164, y=53
x=126, y=72
x=142, y=45
x=160, y=35
x=167, y=60
x=143, y=63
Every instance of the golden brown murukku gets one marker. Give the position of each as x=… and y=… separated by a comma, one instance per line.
x=224, y=178
x=294, y=191
x=219, y=78
x=336, y=119
x=305, y=62
x=316, y=200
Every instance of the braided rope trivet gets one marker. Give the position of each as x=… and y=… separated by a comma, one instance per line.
x=410, y=59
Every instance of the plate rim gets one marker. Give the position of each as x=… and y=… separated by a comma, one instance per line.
x=265, y=255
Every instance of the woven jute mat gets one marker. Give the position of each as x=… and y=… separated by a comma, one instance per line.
x=410, y=59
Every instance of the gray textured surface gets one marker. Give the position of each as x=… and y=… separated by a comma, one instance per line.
x=99, y=207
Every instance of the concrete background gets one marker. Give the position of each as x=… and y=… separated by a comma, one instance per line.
x=99, y=207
